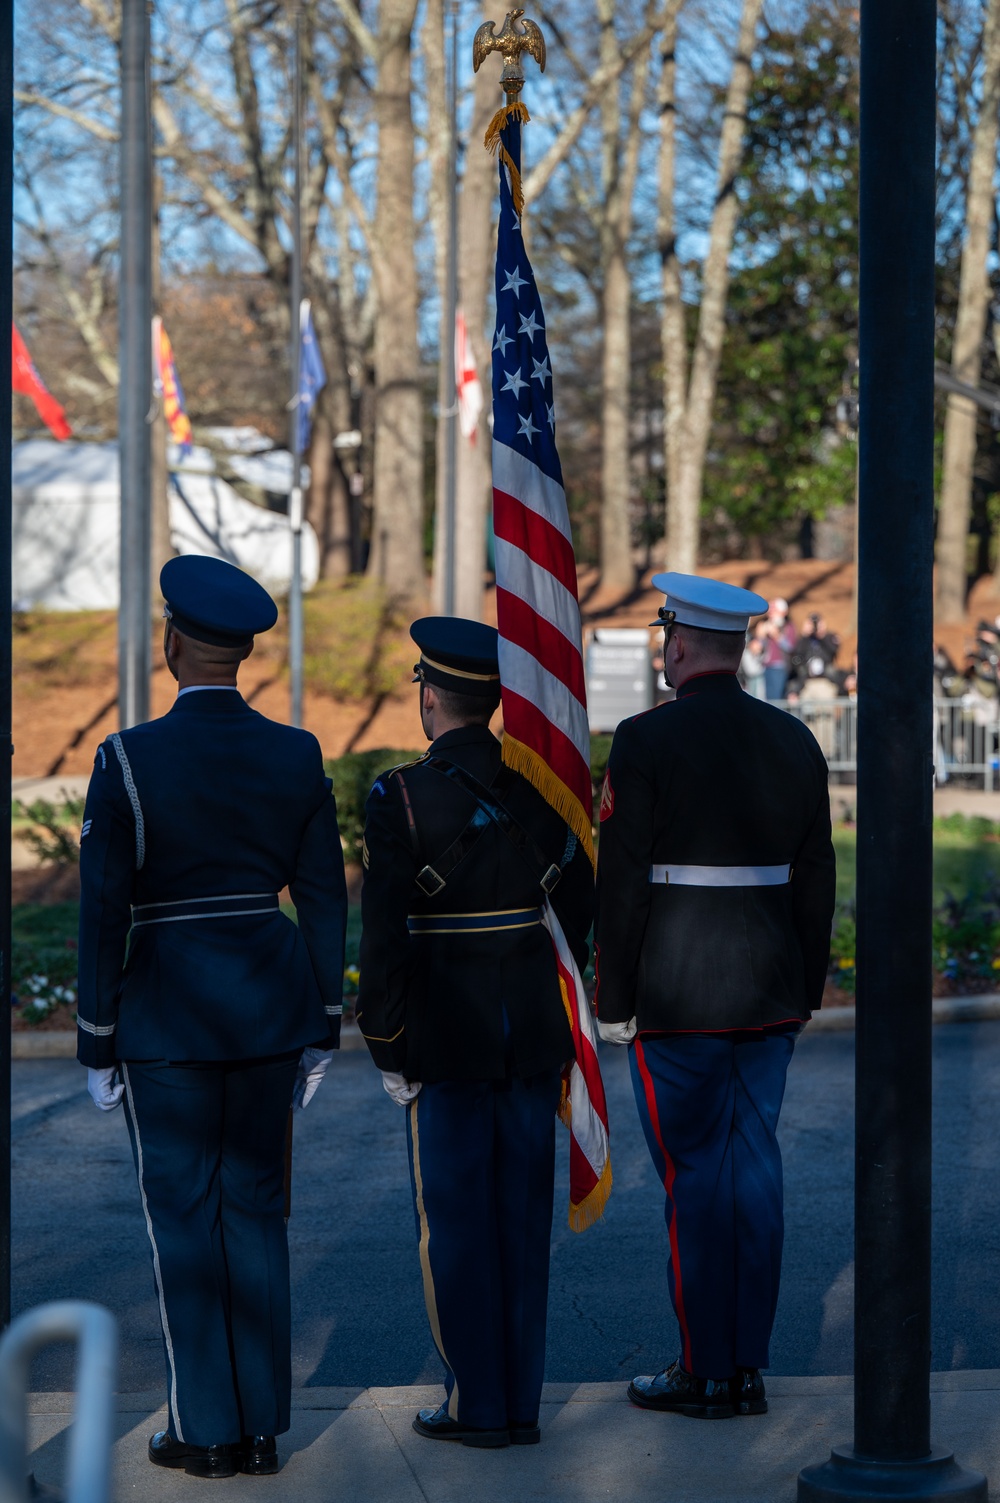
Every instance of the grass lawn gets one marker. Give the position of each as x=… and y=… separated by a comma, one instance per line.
x=966, y=856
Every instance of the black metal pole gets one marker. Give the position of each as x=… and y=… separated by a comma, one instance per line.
x=135, y=392
x=449, y=414
x=295, y=622
x=6, y=320
x=892, y=1450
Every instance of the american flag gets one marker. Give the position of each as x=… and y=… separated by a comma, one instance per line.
x=541, y=655
x=546, y=734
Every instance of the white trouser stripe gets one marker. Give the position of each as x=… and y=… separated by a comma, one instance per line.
x=156, y=1260
x=720, y=876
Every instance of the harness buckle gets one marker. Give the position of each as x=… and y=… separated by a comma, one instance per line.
x=429, y=882
x=551, y=878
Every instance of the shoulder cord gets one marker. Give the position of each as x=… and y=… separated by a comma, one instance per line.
x=133, y=798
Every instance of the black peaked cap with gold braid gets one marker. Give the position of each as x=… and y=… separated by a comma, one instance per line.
x=458, y=655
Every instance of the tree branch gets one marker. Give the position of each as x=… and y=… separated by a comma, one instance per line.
x=65, y=112
x=364, y=38
x=538, y=178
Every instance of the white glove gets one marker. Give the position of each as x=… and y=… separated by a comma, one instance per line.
x=399, y=1088
x=103, y=1091
x=618, y=1033
x=312, y=1067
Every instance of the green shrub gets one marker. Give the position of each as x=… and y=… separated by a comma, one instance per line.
x=52, y=836
x=43, y=960
x=843, y=946
x=967, y=933
x=353, y=775
x=600, y=751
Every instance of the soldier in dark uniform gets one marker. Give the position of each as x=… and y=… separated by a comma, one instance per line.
x=716, y=883
x=221, y=1011
x=459, y=1002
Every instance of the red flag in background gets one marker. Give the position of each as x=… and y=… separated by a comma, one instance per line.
x=26, y=380
x=470, y=391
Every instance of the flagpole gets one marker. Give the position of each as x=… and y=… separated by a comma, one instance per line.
x=295, y=631
x=6, y=672
x=449, y=415
x=136, y=387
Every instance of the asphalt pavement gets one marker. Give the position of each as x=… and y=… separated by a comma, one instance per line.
x=358, y=1317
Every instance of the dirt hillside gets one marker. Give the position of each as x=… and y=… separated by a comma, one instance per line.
x=65, y=682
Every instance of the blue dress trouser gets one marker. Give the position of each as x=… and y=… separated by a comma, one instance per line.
x=709, y=1106
x=208, y=1143
x=482, y=1159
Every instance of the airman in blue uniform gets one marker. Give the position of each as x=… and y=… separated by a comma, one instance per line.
x=207, y=1010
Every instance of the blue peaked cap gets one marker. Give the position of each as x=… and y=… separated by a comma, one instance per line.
x=457, y=654
x=215, y=602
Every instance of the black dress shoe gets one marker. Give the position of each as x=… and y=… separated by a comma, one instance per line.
x=525, y=1435
x=681, y=1393
x=437, y=1424
x=197, y=1461
x=259, y=1455
x=747, y=1390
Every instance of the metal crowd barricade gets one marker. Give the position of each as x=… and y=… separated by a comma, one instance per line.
x=95, y=1332
x=966, y=737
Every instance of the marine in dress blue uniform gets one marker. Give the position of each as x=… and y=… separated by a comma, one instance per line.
x=459, y=1002
x=715, y=897
x=206, y=1008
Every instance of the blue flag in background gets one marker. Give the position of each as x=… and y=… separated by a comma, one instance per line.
x=312, y=373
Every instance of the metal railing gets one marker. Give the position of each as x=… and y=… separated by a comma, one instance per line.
x=95, y=1332
x=966, y=743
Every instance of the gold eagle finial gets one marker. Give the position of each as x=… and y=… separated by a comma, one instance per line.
x=511, y=43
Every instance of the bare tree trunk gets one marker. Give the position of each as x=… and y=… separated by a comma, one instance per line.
x=616, y=552
x=685, y=502
x=328, y=502
x=476, y=235
x=619, y=165
x=673, y=332
x=970, y=323
x=397, y=553
x=439, y=126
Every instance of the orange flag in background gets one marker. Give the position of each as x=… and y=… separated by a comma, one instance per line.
x=167, y=386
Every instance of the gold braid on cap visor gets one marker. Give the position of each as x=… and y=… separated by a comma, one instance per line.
x=482, y=678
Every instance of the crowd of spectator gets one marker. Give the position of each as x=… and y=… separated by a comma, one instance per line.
x=789, y=663
x=979, y=677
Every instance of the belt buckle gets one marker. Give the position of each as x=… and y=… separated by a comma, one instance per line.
x=551, y=877
x=429, y=882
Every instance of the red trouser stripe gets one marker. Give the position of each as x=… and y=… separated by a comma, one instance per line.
x=668, y=1185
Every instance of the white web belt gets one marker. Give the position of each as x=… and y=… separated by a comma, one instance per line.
x=721, y=876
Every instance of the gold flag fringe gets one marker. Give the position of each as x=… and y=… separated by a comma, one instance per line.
x=592, y=1209
x=492, y=142
x=522, y=759
x=564, y=1110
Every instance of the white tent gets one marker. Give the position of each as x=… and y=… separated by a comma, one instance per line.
x=66, y=527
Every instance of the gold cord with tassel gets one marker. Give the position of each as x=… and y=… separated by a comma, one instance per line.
x=492, y=142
